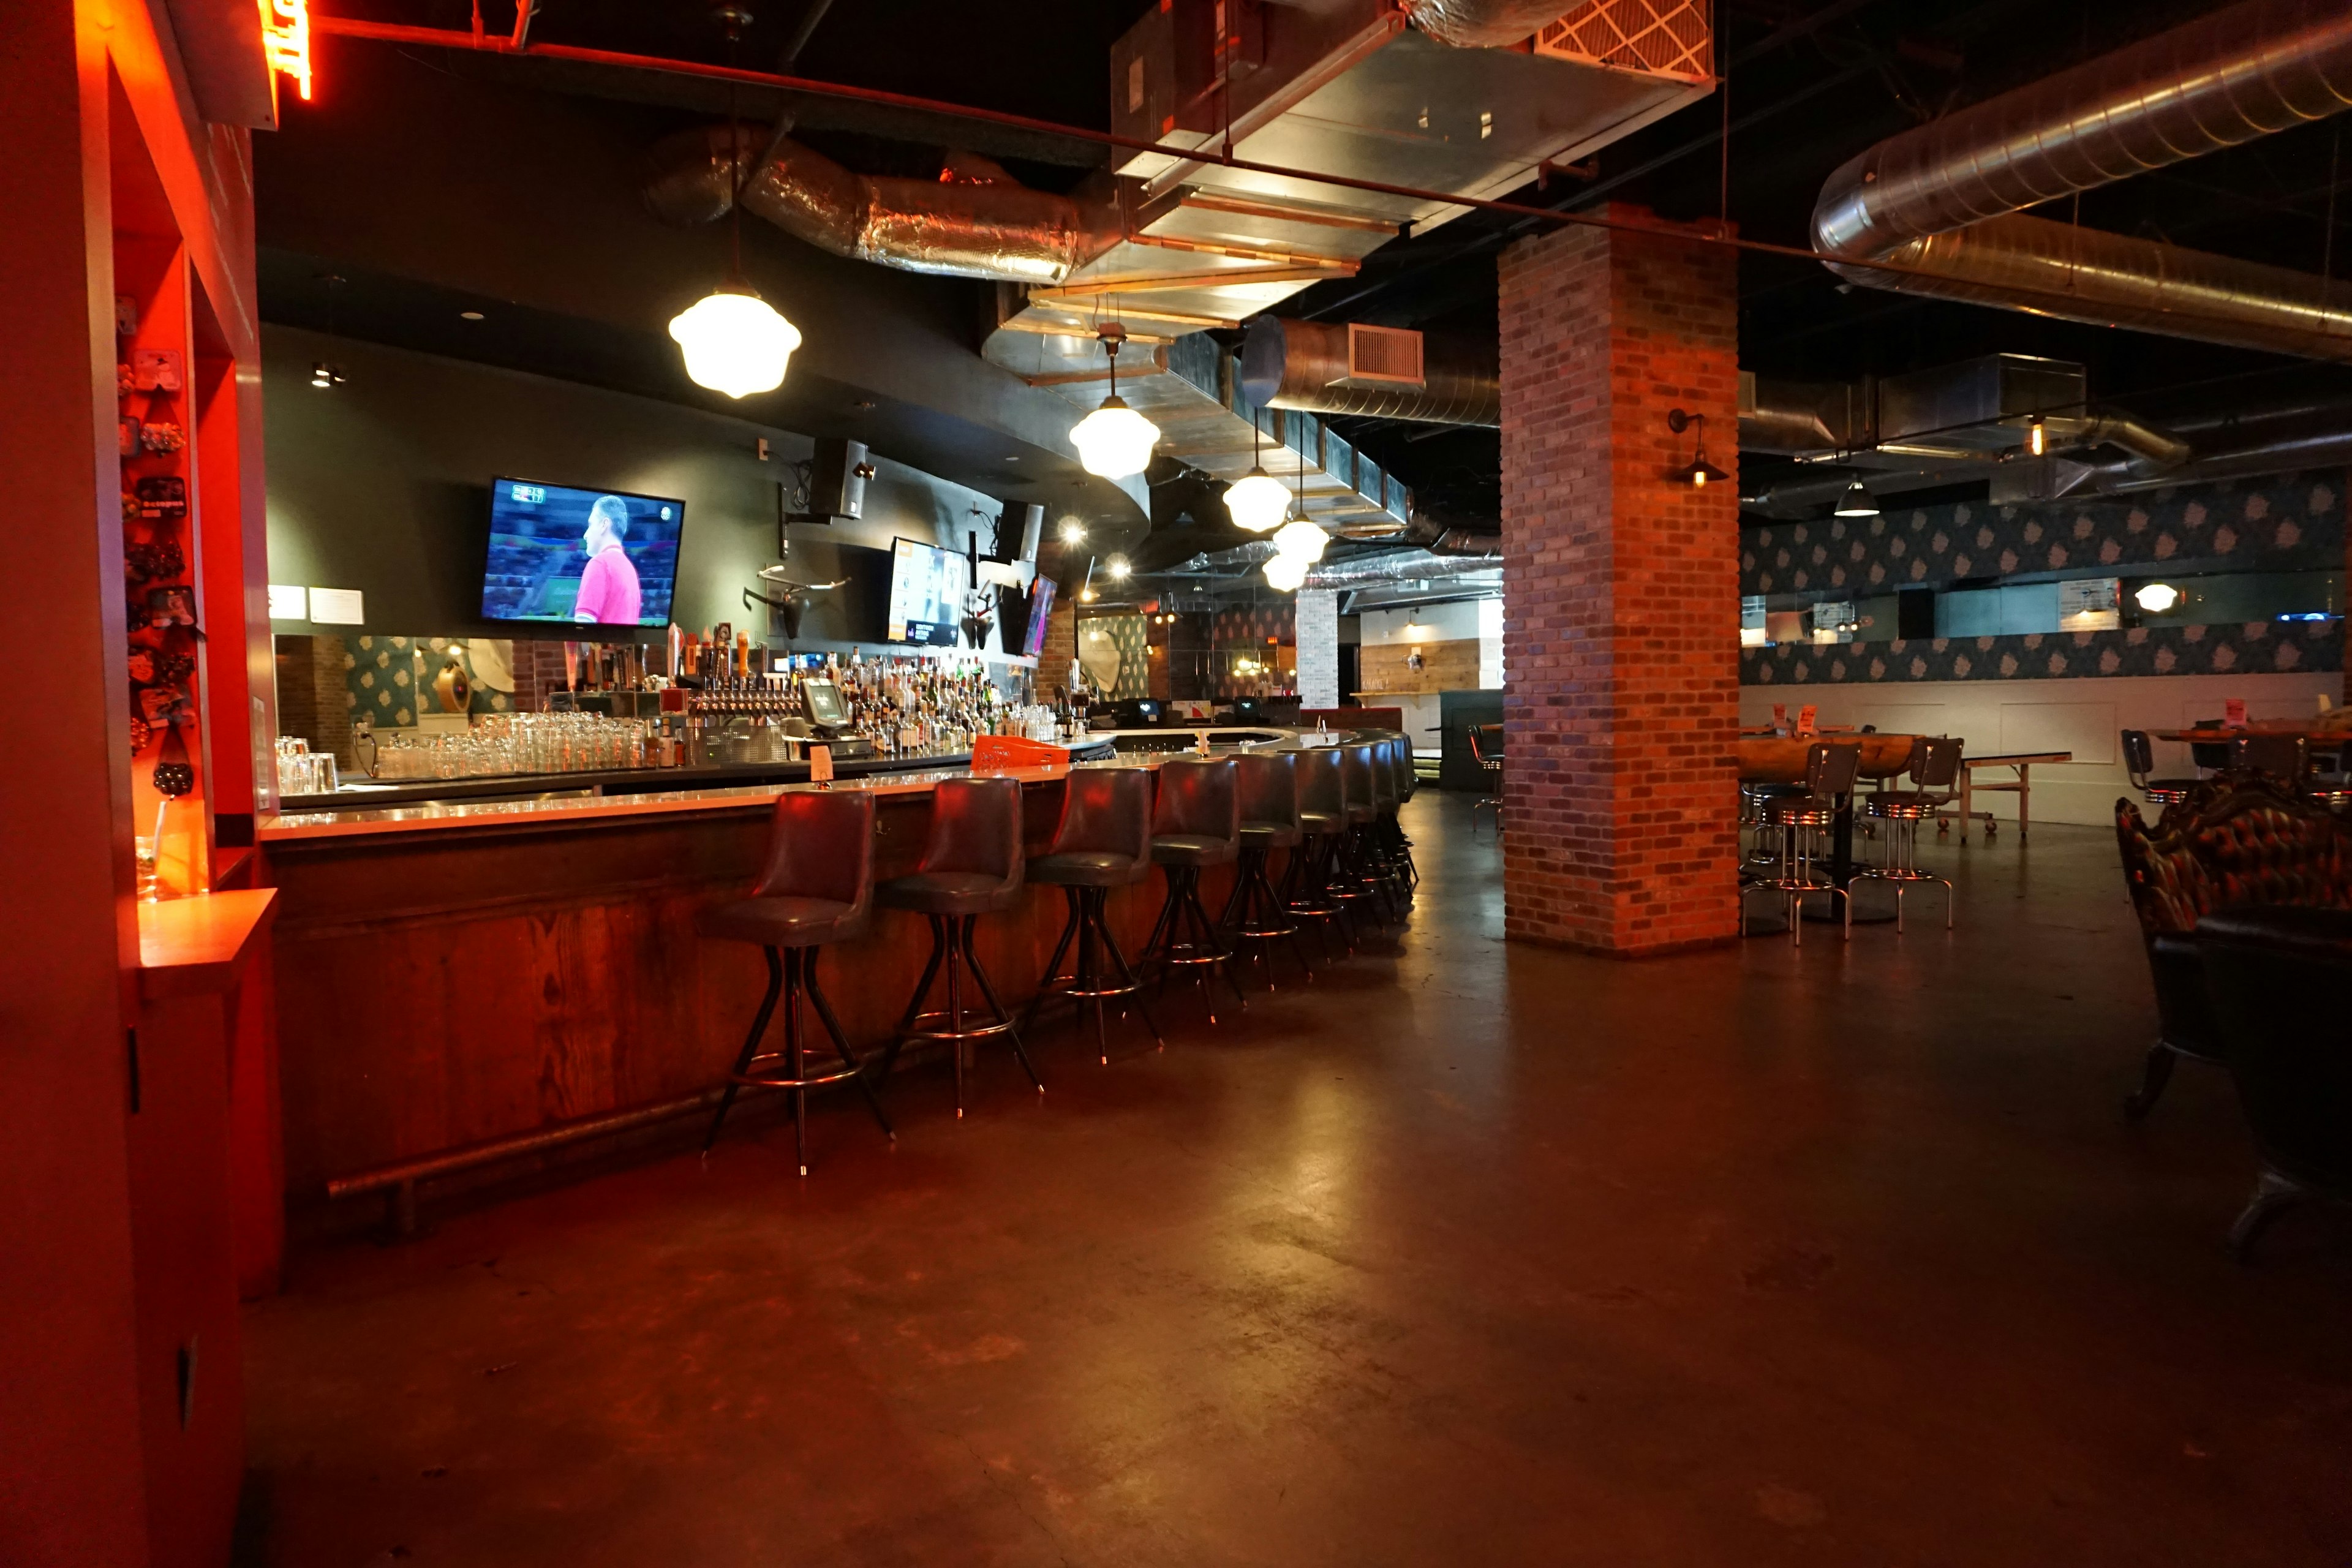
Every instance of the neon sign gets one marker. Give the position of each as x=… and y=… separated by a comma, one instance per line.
x=286, y=33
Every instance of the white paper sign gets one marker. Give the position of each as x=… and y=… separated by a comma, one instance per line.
x=336, y=608
x=288, y=601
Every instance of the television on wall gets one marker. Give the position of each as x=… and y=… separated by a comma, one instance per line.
x=927, y=590
x=581, y=557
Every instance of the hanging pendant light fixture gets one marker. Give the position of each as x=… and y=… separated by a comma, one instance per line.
x=1257, y=502
x=1286, y=574
x=1302, y=540
x=1114, y=442
x=734, y=342
x=1856, y=502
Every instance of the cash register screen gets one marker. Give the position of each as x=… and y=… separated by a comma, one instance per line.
x=825, y=707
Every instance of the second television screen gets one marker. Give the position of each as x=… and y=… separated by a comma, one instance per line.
x=927, y=590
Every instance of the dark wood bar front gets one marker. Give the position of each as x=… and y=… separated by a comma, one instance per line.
x=444, y=984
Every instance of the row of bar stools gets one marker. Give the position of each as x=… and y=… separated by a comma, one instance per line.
x=971, y=866
x=1104, y=841
x=1268, y=787
x=817, y=886
x=1195, y=823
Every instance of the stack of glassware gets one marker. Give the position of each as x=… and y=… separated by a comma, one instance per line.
x=301, y=771
x=500, y=743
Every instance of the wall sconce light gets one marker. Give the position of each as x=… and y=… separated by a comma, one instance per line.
x=1698, y=471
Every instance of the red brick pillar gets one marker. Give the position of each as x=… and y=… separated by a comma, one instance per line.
x=1621, y=591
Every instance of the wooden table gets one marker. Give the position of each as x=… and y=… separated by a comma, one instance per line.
x=2021, y=787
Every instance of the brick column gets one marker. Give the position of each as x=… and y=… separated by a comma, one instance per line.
x=1319, y=647
x=1621, y=591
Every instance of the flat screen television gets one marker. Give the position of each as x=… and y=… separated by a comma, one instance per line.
x=927, y=589
x=1040, y=605
x=581, y=556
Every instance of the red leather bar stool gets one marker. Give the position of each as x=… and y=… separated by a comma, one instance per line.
x=1389, y=854
x=1102, y=841
x=1196, y=824
x=817, y=886
x=1268, y=786
x=1399, y=754
x=971, y=866
x=1323, y=826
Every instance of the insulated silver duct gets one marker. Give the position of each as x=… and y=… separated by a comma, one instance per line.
x=1407, y=567
x=1946, y=197
x=1483, y=24
x=1304, y=365
x=973, y=221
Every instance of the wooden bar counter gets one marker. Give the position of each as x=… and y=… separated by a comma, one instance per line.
x=452, y=975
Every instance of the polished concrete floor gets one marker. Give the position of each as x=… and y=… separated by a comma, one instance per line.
x=1468, y=1254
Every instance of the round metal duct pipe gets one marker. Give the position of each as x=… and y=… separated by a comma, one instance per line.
x=1483, y=24
x=1304, y=365
x=1944, y=197
x=973, y=221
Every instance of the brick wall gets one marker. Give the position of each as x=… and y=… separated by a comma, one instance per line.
x=1621, y=591
x=1061, y=645
x=311, y=694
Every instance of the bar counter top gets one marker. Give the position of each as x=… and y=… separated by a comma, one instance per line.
x=288, y=829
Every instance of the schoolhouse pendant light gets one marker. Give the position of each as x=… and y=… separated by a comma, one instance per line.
x=1303, y=541
x=735, y=342
x=1285, y=573
x=1257, y=500
x=1114, y=442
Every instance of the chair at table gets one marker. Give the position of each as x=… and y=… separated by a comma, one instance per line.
x=2140, y=762
x=817, y=887
x=2279, y=756
x=1799, y=821
x=1935, y=769
x=1486, y=751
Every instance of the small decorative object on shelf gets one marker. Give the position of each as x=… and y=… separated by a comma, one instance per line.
x=155, y=370
x=162, y=498
x=175, y=774
x=127, y=435
x=141, y=733
x=172, y=606
x=161, y=436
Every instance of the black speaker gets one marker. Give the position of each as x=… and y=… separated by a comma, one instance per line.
x=1914, y=614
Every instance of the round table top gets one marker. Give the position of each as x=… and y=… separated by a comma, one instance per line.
x=1780, y=759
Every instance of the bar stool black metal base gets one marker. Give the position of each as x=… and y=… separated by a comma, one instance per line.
x=1185, y=937
x=1091, y=979
x=1256, y=914
x=1307, y=892
x=952, y=950
x=792, y=972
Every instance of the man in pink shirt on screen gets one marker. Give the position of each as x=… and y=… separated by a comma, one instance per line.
x=608, y=583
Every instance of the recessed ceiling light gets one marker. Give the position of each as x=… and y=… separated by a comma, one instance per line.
x=470, y=315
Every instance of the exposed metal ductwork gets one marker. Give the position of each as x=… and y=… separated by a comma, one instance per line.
x=1482, y=24
x=1945, y=200
x=2227, y=446
x=1321, y=367
x=1405, y=566
x=973, y=221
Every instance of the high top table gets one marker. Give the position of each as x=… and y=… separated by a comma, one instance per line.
x=1781, y=759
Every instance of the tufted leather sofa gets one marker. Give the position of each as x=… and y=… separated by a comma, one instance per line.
x=2239, y=839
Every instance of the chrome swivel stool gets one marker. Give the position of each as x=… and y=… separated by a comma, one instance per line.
x=2139, y=763
x=971, y=866
x=1269, y=785
x=1103, y=842
x=817, y=887
x=1935, y=770
x=1195, y=823
x=1799, y=821
x=1486, y=751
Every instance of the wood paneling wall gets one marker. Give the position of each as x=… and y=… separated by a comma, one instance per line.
x=1448, y=666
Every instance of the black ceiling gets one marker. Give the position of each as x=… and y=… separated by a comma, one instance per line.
x=1811, y=84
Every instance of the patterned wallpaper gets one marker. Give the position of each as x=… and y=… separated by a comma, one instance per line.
x=2295, y=522
x=380, y=678
x=1112, y=649
x=2256, y=647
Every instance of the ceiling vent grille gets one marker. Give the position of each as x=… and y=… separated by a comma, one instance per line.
x=1382, y=356
x=1655, y=37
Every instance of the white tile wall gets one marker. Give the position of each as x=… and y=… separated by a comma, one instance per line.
x=1319, y=647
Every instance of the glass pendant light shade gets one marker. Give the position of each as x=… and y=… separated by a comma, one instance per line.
x=1856, y=502
x=1257, y=501
x=1303, y=541
x=735, y=342
x=1285, y=573
x=1115, y=441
